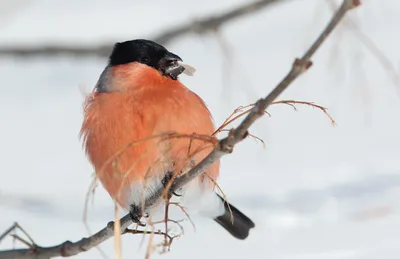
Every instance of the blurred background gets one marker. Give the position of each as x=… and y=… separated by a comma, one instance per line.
x=314, y=190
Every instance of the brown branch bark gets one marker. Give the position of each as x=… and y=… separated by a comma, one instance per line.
x=198, y=26
x=224, y=147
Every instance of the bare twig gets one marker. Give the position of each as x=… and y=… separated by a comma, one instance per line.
x=117, y=234
x=13, y=228
x=223, y=197
x=8, y=231
x=89, y=194
x=199, y=26
x=322, y=108
x=373, y=48
x=224, y=147
x=184, y=212
x=23, y=241
x=243, y=110
x=238, y=134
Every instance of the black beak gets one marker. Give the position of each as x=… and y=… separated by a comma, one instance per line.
x=172, y=57
x=170, y=67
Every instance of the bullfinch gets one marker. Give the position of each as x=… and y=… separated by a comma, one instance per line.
x=138, y=96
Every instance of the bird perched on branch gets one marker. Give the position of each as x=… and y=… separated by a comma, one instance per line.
x=128, y=119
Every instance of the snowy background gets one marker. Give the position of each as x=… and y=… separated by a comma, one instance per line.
x=315, y=191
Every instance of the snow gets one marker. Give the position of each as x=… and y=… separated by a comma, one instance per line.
x=315, y=191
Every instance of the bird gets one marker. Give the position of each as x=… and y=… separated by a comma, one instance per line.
x=138, y=97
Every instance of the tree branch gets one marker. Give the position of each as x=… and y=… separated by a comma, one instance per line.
x=200, y=26
x=224, y=147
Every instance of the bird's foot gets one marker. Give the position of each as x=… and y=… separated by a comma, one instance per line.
x=136, y=214
x=166, y=180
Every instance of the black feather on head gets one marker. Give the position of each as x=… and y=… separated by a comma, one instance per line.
x=149, y=53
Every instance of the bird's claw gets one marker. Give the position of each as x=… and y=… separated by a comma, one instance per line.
x=136, y=215
x=177, y=195
x=166, y=180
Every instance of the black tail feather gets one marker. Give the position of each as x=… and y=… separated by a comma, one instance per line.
x=241, y=223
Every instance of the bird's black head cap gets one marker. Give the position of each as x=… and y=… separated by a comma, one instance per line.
x=149, y=53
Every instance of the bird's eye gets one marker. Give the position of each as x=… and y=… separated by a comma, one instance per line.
x=145, y=59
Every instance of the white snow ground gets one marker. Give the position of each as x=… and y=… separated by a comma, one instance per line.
x=316, y=191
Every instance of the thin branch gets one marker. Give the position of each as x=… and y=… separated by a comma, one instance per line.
x=252, y=136
x=14, y=228
x=145, y=232
x=238, y=134
x=224, y=147
x=199, y=26
x=243, y=110
x=322, y=108
x=8, y=231
x=373, y=48
x=186, y=214
x=89, y=194
x=23, y=241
